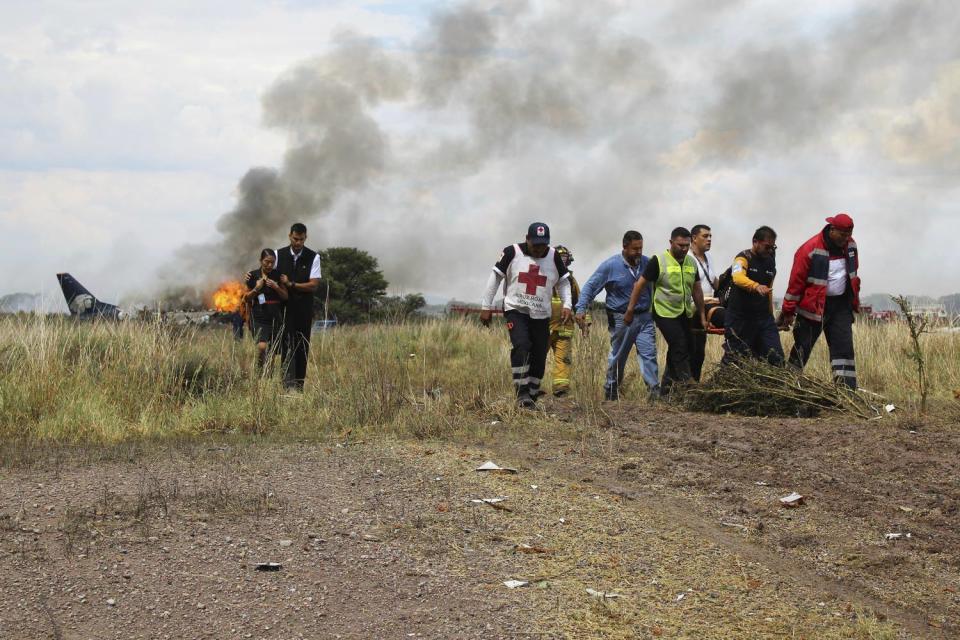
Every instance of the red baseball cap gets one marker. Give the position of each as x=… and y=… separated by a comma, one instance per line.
x=841, y=221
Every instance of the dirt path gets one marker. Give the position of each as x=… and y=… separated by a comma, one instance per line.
x=383, y=540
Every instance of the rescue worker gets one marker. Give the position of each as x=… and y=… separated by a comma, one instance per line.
x=529, y=271
x=701, y=240
x=616, y=276
x=676, y=297
x=750, y=327
x=561, y=333
x=823, y=294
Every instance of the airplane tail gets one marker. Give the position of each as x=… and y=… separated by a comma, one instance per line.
x=78, y=298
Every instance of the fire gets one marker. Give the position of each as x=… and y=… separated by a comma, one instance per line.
x=229, y=296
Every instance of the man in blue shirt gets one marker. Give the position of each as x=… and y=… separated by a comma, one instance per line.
x=617, y=276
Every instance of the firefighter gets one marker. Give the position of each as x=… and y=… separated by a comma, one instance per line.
x=750, y=327
x=676, y=297
x=561, y=333
x=823, y=294
x=529, y=271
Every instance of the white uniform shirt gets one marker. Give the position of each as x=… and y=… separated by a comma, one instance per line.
x=708, y=274
x=837, y=279
x=314, y=268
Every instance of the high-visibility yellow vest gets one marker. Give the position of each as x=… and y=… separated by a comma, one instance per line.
x=673, y=290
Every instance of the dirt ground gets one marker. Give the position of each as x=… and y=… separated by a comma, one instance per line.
x=675, y=517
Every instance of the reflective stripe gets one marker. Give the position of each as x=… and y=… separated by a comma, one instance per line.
x=818, y=281
x=534, y=381
x=522, y=369
x=839, y=373
x=853, y=274
x=809, y=316
x=841, y=362
x=819, y=252
x=521, y=382
x=672, y=292
x=791, y=298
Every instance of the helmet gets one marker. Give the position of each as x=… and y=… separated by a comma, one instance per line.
x=564, y=254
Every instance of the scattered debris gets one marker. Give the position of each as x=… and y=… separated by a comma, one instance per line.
x=534, y=487
x=493, y=467
x=493, y=502
x=906, y=509
x=897, y=536
x=268, y=566
x=494, y=423
x=681, y=596
x=526, y=548
x=513, y=584
x=111, y=602
x=285, y=543
x=890, y=408
x=734, y=525
x=792, y=500
x=603, y=595
x=761, y=483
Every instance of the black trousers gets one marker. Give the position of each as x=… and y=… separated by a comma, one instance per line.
x=752, y=334
x=699, y=352
x=837, y=326
x=295, y=347
x=528, y=358
x=679, y=337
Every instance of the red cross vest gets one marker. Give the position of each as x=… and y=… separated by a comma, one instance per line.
x=528, y=284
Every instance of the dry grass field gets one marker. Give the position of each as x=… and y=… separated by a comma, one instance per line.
x=146, y=470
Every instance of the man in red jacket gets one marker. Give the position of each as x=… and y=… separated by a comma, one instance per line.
x=824, y=293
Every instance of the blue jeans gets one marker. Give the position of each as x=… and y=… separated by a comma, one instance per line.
x=623, y=338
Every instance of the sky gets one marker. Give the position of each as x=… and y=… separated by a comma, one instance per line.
x=150, y=146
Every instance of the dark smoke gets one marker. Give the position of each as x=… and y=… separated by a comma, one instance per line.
x=598, y=117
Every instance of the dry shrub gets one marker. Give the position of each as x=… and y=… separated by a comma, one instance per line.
x=755, y=388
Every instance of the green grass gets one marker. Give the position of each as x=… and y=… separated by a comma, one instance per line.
x=73, y=383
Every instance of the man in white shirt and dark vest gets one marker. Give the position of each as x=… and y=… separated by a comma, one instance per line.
x=529, y=271
x=300, y=274
x=676, y=297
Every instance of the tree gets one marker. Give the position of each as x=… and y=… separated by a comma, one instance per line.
x=353, y=284
x=398, y=308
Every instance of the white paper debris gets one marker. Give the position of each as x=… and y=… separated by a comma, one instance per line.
x=761, y=483
x=792, y=500
x=897, y=536
x=681, y=596
x=608, y=595
x=490, y=465
x=489, y=500
x=513, y=584
x=534, y=487
x=890, y=408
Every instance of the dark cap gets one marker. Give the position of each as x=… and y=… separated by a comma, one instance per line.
x=538, y=233
x=841, y=221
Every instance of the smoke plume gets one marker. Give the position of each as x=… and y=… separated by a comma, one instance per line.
x=600, y=117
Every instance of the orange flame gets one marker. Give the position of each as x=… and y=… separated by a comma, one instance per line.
x=229, y=296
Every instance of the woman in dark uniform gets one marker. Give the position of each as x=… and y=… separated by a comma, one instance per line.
x=267, y=296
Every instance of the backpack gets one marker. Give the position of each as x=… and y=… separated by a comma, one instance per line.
x=724, y=286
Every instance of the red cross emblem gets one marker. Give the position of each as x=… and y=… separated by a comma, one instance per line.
x=532, y=278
